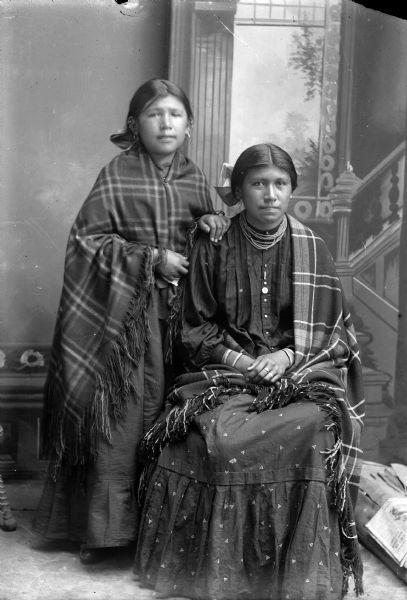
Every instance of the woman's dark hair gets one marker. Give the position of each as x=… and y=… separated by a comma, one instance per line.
x=259, y=155
x=153, y=89
x=145, y=95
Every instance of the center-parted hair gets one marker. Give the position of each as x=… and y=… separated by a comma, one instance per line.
x=260, y=155
x=147, y=93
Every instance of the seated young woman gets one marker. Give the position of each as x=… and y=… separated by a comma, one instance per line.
x=250, y=494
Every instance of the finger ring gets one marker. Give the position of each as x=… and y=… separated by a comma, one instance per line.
x=266, y=369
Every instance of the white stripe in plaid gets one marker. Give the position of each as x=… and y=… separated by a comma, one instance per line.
x=108, y=269
x=324, y=334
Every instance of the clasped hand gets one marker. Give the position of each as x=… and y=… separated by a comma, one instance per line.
x=175, y=264
x=173, y=267
x=268, y=368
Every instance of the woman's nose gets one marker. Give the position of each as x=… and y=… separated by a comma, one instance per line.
x=271, y=192
x=165, y=121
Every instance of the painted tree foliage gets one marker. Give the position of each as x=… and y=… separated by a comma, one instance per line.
x=306, y=57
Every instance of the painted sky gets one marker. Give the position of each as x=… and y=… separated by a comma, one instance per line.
x=265, y=89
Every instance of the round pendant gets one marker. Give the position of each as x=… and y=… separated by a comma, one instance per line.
x=264, y=290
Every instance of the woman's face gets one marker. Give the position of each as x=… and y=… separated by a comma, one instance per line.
x=162, y=127
x=265, y=193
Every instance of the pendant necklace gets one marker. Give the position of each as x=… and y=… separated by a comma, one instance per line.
x=164, y=171
x=264, y=289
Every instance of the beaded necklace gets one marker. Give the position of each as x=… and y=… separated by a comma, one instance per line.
x=261, y=241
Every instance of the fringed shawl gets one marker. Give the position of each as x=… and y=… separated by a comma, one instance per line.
x=102, y=329
x=327, y=368
x=196, y=393
x=326, y=348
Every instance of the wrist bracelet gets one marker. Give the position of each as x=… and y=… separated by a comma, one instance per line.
x=163, y=256
x=157, y=255
x=237, y=358
x=289, y=356
x=225, y=356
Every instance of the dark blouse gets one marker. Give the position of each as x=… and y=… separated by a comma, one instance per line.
x=237, y=296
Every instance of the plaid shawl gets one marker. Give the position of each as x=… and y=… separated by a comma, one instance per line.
x=327, y=370
x=102, y=329
x=196, y=393
x=326, y=348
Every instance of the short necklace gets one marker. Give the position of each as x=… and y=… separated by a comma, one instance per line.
x=164, y=171
x=261, y=241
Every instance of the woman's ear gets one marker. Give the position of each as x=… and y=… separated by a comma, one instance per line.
x=188, y=129
x=132, y=125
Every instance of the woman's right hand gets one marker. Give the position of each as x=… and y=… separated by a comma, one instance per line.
x=173, y=267
x=268, y=368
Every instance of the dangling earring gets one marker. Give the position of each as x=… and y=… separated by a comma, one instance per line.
x=132, y=125
x=189, y=129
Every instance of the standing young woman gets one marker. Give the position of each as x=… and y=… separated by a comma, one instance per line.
x=107, y=380
x=251, y=495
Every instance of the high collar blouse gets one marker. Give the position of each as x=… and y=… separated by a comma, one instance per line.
x=237, y=297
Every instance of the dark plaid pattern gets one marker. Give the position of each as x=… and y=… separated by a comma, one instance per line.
x=228, y=460
x=101, y=328
x=324, y=335
x=223, y=296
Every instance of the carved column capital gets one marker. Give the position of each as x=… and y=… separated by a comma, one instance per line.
x=341, y=196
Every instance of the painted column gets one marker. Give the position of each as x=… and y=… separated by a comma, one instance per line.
x=341, y=196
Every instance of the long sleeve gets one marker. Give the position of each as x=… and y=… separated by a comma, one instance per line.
x=202, y=335
x=224, y=305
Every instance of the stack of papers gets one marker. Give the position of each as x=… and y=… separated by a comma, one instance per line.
x=386, y=486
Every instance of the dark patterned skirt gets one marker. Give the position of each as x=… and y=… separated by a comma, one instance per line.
x=241, y=509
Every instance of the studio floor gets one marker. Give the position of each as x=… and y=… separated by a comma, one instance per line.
x=31, y=572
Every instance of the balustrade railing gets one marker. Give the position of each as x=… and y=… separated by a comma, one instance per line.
x=377, y=201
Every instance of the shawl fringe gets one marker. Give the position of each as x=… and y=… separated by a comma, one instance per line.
x=174, y=318
x=177, y=424
x=74, y=442
x=337, y=480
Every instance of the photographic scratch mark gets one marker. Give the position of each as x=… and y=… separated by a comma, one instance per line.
x=238, y=38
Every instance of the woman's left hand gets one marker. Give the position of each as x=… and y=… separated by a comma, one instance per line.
x=215, y=225
x=268, y=368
